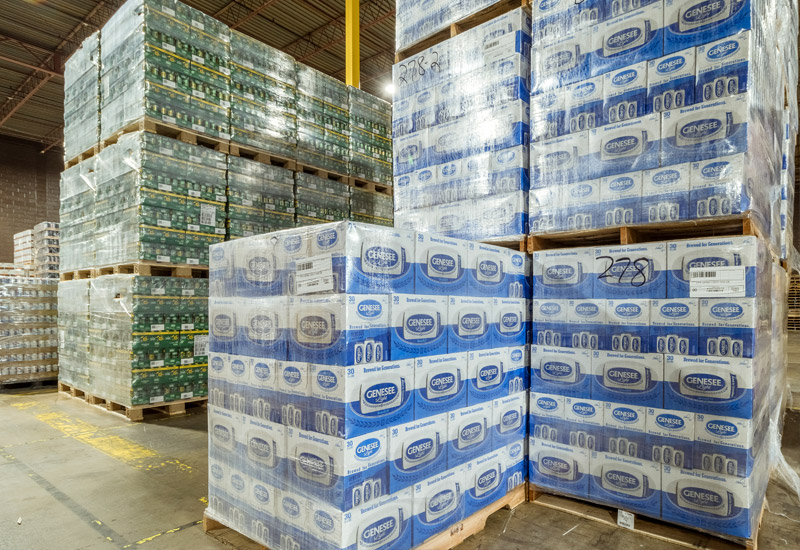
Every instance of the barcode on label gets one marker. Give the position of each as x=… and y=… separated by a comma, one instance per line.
x=304, y=266
x=201, y=345
x=208, y=214
x=702, y=274
x=187, y=360
x=187, y=395
x=157, y=399
x=490, y=45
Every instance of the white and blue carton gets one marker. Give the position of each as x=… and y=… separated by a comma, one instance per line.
x=713, y=385
x=620, y=199
x=485, y=480
x=624, y=428
x=339, y=329
x=584, y=420
x=567, y=273
x=727, y=445
x=385, y=523
x=561, y=371
x=488, y=375
x=707, y=130
x=470, y=433
x=630, y=38
x=518, y=369
x=694, y=22
x=586, y=324
x=516, y=466
x=702, y=257
x=670, y=437
x=440, y=265
x=583, y=105
x=627, y=326
x=222, y=326
x=439, y=502
x=441, y=384
x=723, y=67
x=294, y=389
x=418, y=325
x=548, y=113
x=674, y=326
x=665, y=194
x=518, y=272
x=729, y=326
x=335, y=470
x=560, y=61
x=509, y=419
x=488, y=271
x=559, y=467
x=470, y=324
x=625, y=93
x=626, y=146
x=546, y=415
x=417, y=450
x=625, y=482
x=630, y=378
x=580, y=205
x=561, y=160
x=631, y=271
x=510, y=322
x=262, y=326
x=671, y=81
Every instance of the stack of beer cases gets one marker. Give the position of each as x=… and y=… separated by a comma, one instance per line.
x=460, y=128
x=367, y=384
x=655, y=111
x=651, y=381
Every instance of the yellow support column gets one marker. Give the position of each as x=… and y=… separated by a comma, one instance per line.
x=352, y=40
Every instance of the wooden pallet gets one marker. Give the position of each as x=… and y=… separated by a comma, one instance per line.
x=88, y=153
x=32, y=378
x=661, y=530
x=264, y=157
x=445, y=540
x=367, y=185
x=76, y=274
x=793, y=323
x=519, y=244
x=134, y=413
x=187, y=135
x=148, y=269
x=471, y=21
x=631, y=234
x=321, y=172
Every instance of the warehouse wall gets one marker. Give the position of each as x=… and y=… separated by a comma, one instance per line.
x=28, y=189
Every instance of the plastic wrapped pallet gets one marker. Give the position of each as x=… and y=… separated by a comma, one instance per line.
x=415, y=21
x=147, y=339
x=320, y=200
x=366, y=384
x=158, y=199
x=787, y=185
x=322, y=121
x=460, y=133
x=77, y=216
x=263, y=96
x=640, y=115
x=654, y=383
x=23, y=248
x=28, y=337
x=371, y=207
x=46, y=238
x=260, y=198
x=73, y=332
x=82, y=98
x=370, y=137
x=165, y=60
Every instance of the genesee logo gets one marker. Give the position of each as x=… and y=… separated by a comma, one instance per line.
x=380, y=256
x=441, y=501
x=419, y=449
x=443, y=263
x=622, y=480
x=327, y=238
x=628, y=310
x=723, y=50
x=621, y=184
x=625, y=77
x=425, y=175
x=583, y=90
x=546, y=403
x=727, y=310
x=290, y=506
x=368, y=448
x=516, y=356
x=625, y=415
x=670, y=421
x=381, y=393
x=237, y=367
x=558, y=60
x=471, y=431
x=587, y=309
x=324, y=521
x=217, y=364
x=701, y=128
x=583, y=409
x=312, y=464
x=704, y=382
x=377, y=532
x=218, y=254
x=261, y=493
x=671, y=64
x=701, y=497
x=313, y=325
x=715, y=170
x=216, y=471
x=545, y=5
x=420, y=323
x=489, y=373
x=722, y=428
x=666, y=177
x=237, y=482
x=223, y=323
x=621, y=145
x=506, y=156
x=510, y=418
x=260, y=265
x=448, y=169
x=488, y=268
x=487, y=479
x=558, y=369
x=262, y=325
x=442, y=382
x=550, y=308
x=222, y=433
x=292, y=243
x=560, y=272
x=471, y=321
x=291, y=375
x=510, y=320
x=623, y=38
x=327, y=379
x=675, y=310
x=580, y=191
x=555, y=464
x=369, y=308
x=557, y=159
x=262, y=371
x=624, y=375
x=703, y=11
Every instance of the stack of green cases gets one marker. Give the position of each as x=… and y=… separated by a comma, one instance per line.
x=263, y=97
x=158, y=199
x=73, y=332
x=82, y=98
x=370, y=137
x=148, y=338
x=371, y=207
x=77, y=216
x=323, y=125
x=260, y=198
x=320, y=200
x=165, y=60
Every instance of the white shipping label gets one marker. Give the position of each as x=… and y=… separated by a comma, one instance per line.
x=193, y=193
x=201, y=345
x=159, y=291
x=192, y=227
x=162, y=258
x=168, y=47
x=168, y=83
x=187, y=361
x=187, y=395
x=187, y=326
x=164, y=223
x=208, y=214
x=195, y=159
x=314, y=274
x=157, y=399
x=166, y=151
x=719, y=281
x=187, y=292
x=625, y=519
x=156, y=328
x=156, y=364
x=168, y=119
x=193, y=261
x=198, y=128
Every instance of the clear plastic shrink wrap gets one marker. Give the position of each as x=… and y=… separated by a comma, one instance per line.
x=460, y=129
x=370, y=137
x=165, y=60
x=366, y=384
x=666, y=111
x=416, y=20
x=82, y=98
x=656, y=386
x=28, y=337
x=158, y=199
x=77, y=216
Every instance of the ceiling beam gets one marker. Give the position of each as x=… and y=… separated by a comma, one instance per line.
x=338, y=40
x=49, y=141
x=242, y=20
x=31, y=66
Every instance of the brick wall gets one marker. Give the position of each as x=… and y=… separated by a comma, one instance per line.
x=28, y=189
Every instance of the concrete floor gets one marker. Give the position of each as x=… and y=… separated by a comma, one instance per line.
x=76, y=477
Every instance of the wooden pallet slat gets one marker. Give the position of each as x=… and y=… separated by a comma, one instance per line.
x=134, y=413
x=87, y=154
x=75, y=274
x=321, y=172
x=653, y=528
x=367, y=185
x=148, y=269
x=153, y=126
x=262, y=156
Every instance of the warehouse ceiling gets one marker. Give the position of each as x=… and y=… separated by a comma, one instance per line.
x=37, y=36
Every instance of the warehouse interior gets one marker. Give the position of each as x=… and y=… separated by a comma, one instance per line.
x=225, y=225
